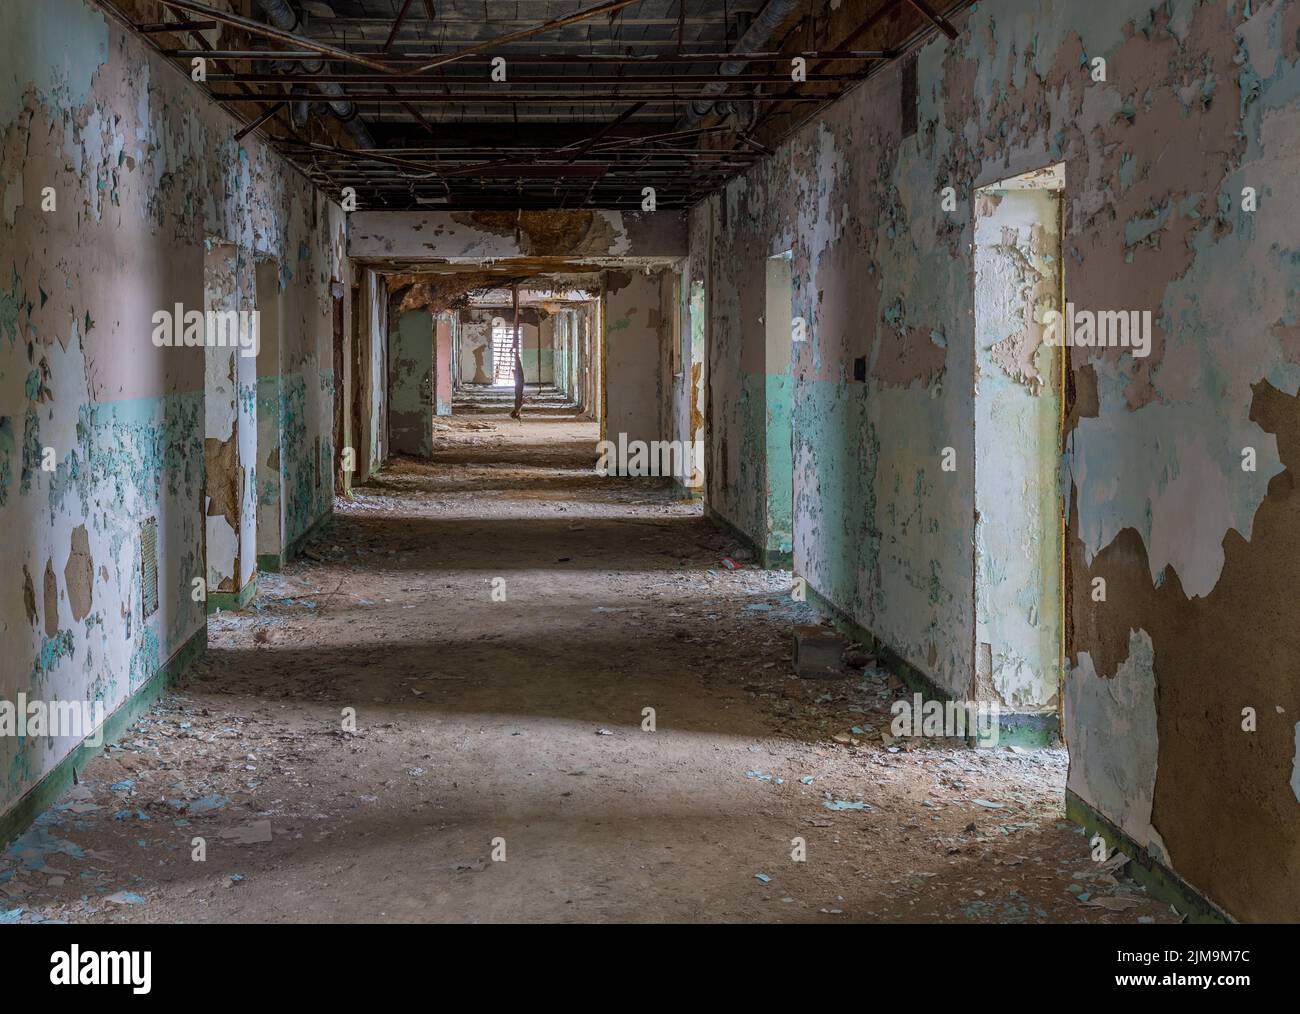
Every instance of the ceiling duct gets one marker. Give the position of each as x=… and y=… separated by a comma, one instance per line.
x=280, y=14
x=754, y=39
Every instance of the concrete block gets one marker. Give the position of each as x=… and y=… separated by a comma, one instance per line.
x=817, y=652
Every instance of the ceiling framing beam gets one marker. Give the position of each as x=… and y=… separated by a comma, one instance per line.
x=553, y=79
x=935, y=19
x=278, y=34
x=531, y=98
x=897, y=49
x=614, y=124
x=249, y=128
x=590, y=59
x=526, y=33
x=176, y=26
x=397, y=25
x=479, y=146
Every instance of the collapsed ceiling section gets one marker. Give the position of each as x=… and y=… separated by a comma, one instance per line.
x=438, y=292
x=528, y=104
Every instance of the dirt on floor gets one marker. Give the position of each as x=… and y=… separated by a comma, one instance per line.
x=499, y=621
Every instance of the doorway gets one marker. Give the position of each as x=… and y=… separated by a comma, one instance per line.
x=698, y=384
x=230, y=427
x=1018, y=371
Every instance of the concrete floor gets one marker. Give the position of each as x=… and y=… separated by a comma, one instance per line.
x=521, y=721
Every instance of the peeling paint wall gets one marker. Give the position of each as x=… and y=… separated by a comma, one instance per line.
x=270, y=498
x=143, y=170
x=306, y=360
x=1200, y=100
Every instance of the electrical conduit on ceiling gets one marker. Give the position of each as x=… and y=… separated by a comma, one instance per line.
x=758, y=35
x=280, y=14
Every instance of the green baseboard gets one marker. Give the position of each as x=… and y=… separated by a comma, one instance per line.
x=233, y=601
x=273, y=563
x=735, y=532
x=770, y=559
x=44, y=793
x=1160, y=882
x=294, y=549
x=1019, y=728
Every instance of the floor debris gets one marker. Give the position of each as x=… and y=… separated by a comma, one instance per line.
x=525, y=718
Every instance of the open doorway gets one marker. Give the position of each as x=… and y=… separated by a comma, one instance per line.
x=340, y=405
x=778, y=392
x=1019, y=584
x=230, y=428
x=352, y=439
x=698, y=383
x=504, y=337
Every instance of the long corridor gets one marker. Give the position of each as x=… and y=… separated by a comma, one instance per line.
x=498, y=622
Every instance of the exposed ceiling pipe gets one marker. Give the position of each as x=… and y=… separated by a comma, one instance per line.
x=754, y=40
x=284, y=17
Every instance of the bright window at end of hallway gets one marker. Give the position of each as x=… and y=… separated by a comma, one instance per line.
x=503, y=359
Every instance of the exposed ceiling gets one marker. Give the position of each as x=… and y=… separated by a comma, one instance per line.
x=600, y=98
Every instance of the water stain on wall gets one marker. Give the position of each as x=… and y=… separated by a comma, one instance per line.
x=51, y=600
x=79, y=574
x=548, y=233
